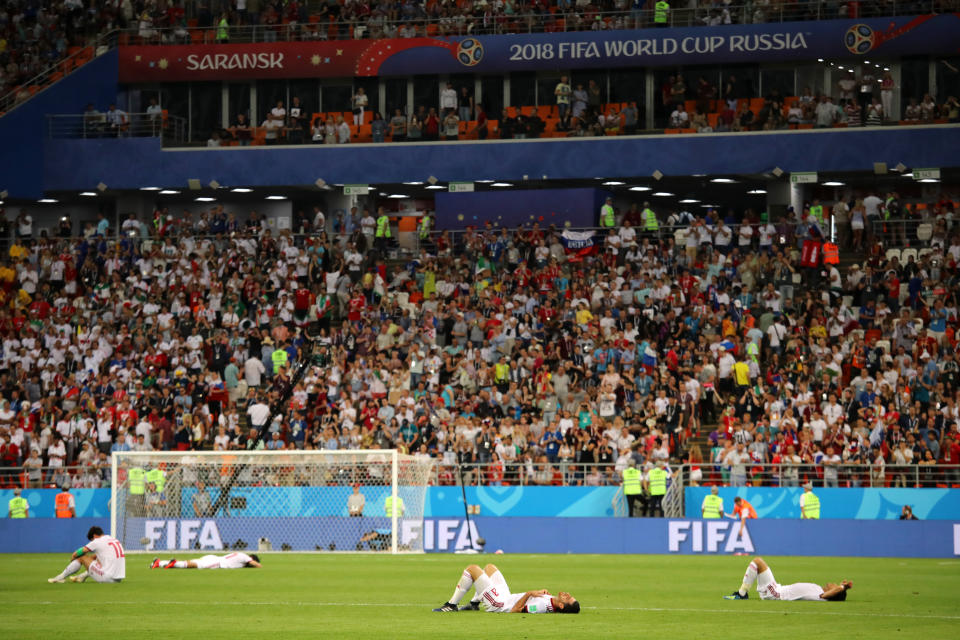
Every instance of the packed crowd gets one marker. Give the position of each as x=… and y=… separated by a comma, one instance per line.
x=578, y=109
x=37, y=35
x=492, y=346
x=271, y=20
x=861, y=100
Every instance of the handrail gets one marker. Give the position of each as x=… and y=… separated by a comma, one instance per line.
x=842, y=474
x=14, y=98
x=97, y=124
x=572, y=473
x=454, y=235
x=373, y=27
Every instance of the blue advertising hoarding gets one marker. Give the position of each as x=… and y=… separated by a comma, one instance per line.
x=839, y=538
x=535, y=501
x=860, y=504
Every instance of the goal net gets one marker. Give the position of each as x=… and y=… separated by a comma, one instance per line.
x=371, y=500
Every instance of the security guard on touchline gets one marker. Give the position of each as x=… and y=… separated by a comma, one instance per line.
x=632, y=487
x=64, y=504
x=18, y=507
x=657, y=488
x=809, y=503
x=136, y=485
x=712, y=507
x=389, y=509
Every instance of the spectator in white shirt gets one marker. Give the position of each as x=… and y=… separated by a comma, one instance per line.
x=679, y=119
x=448, y=99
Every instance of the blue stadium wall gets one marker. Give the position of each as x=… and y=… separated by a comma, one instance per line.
x=859, y=538
x=23, y=130
x=82, y=164
x=858, y=522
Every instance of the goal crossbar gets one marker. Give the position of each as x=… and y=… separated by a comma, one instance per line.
x=300, y=497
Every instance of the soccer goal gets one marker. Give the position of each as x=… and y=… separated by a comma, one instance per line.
x=370, y=500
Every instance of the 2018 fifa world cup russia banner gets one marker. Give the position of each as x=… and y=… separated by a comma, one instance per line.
x=829, y=39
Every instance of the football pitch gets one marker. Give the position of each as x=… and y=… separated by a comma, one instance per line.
x=367, y=596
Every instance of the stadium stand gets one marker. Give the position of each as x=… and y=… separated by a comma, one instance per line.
x=493, y=348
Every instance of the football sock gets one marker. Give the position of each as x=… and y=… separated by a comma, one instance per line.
x=466, y=581
x=71, y=569
x=180, y=564
x=83, y=576
x=748, y=579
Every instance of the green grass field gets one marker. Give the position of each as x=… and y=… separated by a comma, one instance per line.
x=365, y=596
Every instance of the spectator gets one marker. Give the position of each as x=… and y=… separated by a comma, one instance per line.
x=379, y=128
x=679, y=119
x=398, y=126
x=448, y=100
x=355, y=502
x=358, y=104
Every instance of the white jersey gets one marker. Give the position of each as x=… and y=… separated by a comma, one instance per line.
x=236, y=560
x=111, y=560
x=801, y=591
x=769, y=589
x=496, y=597
x=538, y=604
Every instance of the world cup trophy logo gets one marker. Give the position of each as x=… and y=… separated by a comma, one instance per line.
x=469, y=52
x=860, y=39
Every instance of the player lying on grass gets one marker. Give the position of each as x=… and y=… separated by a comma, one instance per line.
x=235, y=560
x=102, y=556
x=491, y=589
x=770, y=589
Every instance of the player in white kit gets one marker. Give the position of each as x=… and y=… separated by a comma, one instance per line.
x=103, y=557
x=770, y=589
x=235, y=560
x=491, y=590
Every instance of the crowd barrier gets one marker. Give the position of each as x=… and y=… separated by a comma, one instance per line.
x=441, y=501
x=859, y=504
x=857, y=538
x=537, y=501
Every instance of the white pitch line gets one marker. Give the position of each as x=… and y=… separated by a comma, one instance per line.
x=778, y=613
x=247, y=603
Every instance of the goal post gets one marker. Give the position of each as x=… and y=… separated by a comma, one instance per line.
x=211, y=501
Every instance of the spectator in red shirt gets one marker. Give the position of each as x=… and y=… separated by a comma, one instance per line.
x=9, y=459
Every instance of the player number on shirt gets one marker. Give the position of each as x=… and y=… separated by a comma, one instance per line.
x=117, y=549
